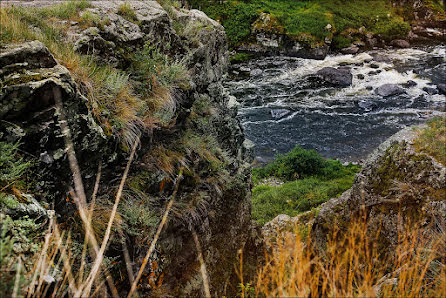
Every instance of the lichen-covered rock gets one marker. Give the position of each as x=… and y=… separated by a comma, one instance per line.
x=396, y=186
x=29, y=78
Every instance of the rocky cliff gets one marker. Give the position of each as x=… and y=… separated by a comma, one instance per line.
x=192, y=133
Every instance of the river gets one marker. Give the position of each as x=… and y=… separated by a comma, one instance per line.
x=282, y=103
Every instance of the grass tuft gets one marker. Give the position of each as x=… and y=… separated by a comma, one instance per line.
x=432, y=139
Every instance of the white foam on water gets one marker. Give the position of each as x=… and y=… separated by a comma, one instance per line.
x=309, y=66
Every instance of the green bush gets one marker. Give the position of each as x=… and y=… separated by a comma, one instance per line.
x=340, y=41
x=316, y=181
x=301, y=163
x=393, y=30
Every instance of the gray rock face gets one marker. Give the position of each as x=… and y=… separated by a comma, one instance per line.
x=29, y=76
x=389, y=90
x=396, y=186
x=340, y=77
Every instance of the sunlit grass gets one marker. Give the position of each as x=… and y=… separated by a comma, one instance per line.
x=354, y=265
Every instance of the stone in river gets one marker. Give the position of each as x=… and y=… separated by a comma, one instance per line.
x=430, y=90
x=389, y=90
x=256, y=72
x=280, y=113
x=410, y=84
x=341, y=77
x=367, y=105
x=441, y=88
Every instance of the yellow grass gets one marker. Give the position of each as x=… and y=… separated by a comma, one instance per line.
x=354, y=265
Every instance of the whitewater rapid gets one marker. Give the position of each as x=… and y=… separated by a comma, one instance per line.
x=282, y=104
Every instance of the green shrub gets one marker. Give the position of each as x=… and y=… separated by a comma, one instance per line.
x=301, y=163
x=340, y=42
x=316, y=181
x=393, y=30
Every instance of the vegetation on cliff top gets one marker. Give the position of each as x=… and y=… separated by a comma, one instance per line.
x=302, y=19
x=114, y=98
x=311, y=181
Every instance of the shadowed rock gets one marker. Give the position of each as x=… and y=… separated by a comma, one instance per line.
x=340, y=77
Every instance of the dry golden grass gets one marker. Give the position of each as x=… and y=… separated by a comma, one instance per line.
x=353, y=265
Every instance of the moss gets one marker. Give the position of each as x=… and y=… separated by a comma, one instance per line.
x=24, y=78
x=432, y=140
x=9, y=201
x=388, y=170
x=240, y=57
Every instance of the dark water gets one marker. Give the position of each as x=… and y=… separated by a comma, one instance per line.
x=282, y=104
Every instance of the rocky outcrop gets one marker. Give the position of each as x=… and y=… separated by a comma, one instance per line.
x=29, y=77
x=214, y=196
x=397, y=186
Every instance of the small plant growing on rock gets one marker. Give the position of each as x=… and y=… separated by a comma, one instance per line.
x=127, y=12
x=432, y=139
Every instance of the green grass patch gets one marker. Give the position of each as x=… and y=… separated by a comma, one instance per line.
x=312, y=180
x=127, y=12
x=295, y=197
x=240, y=57
x=432, y=139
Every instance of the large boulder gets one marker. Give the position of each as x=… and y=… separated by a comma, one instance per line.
x=389, y=90
x=441, y=88
x=396, y=186
x=339, y=77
